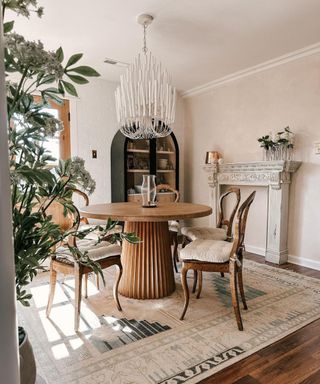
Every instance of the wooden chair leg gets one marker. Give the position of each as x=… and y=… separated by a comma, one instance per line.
x=116, y=285
x=175, y=251
x=241, y=288
x=53, y=281
x=77, y=299
x=86, y=285
x=222, y=274
x=200, y=284
x=195, y=280
x=184, y=282
x=234, y=293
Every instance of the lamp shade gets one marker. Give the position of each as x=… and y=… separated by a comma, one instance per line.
x=212, y=157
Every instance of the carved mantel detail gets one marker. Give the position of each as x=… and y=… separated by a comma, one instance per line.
x=264, y=173
x=276, y=175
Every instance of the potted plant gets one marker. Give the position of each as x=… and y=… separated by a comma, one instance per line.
x=36, y=185
x=278, y=146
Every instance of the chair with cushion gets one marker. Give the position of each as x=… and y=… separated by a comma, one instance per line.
x=62, y=261
x=219, y=256
x=174, y=226
x=223, y=231
x=84, y=225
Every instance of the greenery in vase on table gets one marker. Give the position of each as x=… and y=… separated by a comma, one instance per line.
x=278, y=146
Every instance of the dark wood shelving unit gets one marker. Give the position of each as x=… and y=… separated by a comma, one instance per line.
x=131, y=159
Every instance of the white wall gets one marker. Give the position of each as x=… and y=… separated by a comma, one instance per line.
x=231, y=117
x=93, y=126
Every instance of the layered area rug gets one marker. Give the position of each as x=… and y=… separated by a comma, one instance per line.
x=147, y=343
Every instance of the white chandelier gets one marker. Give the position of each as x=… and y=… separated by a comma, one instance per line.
x=145, y=98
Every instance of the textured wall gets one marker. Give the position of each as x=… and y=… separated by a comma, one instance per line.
x=230, y=118
x=93, y=125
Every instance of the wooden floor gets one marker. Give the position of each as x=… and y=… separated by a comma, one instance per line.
x=292, y=360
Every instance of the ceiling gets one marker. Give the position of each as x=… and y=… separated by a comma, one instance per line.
x=197, y=40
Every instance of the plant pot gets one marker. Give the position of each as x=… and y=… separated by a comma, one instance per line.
x=28, y=371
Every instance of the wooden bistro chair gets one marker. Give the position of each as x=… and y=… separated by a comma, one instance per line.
x=174, y=226
x=223, y=231
x=219, y=256
x=62, y=261
x=84, y=224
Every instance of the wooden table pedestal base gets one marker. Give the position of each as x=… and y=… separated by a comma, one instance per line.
x=147, y=266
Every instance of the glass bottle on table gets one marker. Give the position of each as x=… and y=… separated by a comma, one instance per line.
x=149, y=191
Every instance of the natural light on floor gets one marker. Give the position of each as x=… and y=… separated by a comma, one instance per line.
x=61, y=322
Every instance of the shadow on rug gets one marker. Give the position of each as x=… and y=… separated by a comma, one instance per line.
x=147, y=343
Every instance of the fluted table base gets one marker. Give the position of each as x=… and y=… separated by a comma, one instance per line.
x=147, y=266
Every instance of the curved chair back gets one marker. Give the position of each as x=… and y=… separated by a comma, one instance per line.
x=241, y=222
x=86, y=201
x=67, y=222
x=222, y=220
x=82, y=194
x=56, y=210
x=169, y=188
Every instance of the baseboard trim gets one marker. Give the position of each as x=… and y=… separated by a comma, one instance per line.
x=309, y=263
x=256, y=250
x=304, y=262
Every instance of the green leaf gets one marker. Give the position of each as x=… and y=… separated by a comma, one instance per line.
x=47, y=80
x=60, y=54
x=52, y=90
x=60, y=87
x=70, y=88
x=8, y=26
x=85, y=71
x=78, y=79
x=52, y=95
x=74, y=59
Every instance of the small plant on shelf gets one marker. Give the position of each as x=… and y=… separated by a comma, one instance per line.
x=278, y=146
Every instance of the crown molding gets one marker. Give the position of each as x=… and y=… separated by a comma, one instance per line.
x=295, y=55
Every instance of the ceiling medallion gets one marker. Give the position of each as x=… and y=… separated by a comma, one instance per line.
x=145, y=98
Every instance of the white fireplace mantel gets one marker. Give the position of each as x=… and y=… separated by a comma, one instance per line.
x=276, y=176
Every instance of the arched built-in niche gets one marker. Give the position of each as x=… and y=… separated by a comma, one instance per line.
x=130, y=159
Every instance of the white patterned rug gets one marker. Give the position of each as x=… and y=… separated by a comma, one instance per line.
x=147, y=343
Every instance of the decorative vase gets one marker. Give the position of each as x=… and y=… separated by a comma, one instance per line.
x=149, y=191
x=28, y=371
x=163, y=163
x=278, y=153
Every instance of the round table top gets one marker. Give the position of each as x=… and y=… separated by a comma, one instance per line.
x=135, y=212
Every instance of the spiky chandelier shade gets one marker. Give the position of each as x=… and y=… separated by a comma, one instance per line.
x=145, y=98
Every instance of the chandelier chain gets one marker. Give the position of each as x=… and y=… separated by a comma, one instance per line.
x=145, y=49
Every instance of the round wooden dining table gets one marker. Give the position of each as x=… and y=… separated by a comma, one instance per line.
x=147, y=266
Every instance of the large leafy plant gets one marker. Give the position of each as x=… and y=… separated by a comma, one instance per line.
x=35, y=185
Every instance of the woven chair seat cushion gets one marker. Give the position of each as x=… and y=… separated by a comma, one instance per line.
x=204, y=233
x=94, y=235
x=174, y=226
x=211, y=251
x=95, y=251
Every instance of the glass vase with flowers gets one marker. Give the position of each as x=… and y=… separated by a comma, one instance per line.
x=278, y=146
